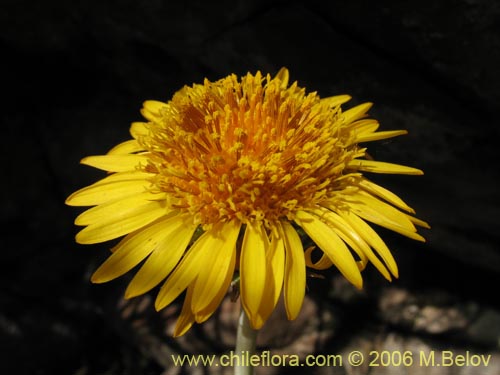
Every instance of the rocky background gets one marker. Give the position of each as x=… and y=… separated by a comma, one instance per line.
x=73, y=77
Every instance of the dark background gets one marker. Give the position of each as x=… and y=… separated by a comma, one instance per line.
x=74, y=76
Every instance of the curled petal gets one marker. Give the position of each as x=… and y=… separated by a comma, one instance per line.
x=332, y=245
x=322, y=264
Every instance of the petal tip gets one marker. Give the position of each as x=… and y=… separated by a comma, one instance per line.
x=78, y=239
x=256, y=324
x=158, y=305
x=132, y=292
x=85, y=160
x=424, y=224
x=97, y=278
x=83, y=239
x=357, y=282
x=78, y=221
x=70, y=200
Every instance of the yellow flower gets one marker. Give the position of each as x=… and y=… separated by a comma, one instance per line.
x=245, y=163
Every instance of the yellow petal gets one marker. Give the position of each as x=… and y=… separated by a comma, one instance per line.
x=151, y=109
x=115, y=163
x=117, y=209
x=207, y=312
x=168, y=253
x=154, y=106
x=379, y=135
x=100, y=193
x=346, y=234
x=130, y=251
x=275, y=270
x=322, y=264
x=334, y=101
x=363, y=261
x=375, y=209
x=354, y=240
x=139, y=129
x=364, y=126
x=372, y=239
x=418, y=222
x=186, y=317
x=276, y=264
x=115, y=226
x=220, y=262
x=253, y=269
x=294, y=281
x=332, y=245
x=384, y=194
x=186, y=272
x=125, y=176
x=355, y=113
x=127, y=147
x=378, y=212
x=283, y=75
x=382, y=167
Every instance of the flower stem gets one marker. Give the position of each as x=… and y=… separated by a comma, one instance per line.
x=245, y=344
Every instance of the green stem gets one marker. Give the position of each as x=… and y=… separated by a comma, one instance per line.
x=245, y=344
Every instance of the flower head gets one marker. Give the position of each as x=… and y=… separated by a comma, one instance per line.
x=219, y=178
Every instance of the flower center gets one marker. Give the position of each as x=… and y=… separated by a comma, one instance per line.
x=249, y=150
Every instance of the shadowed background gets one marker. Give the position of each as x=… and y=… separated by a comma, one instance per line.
x=74, y=76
